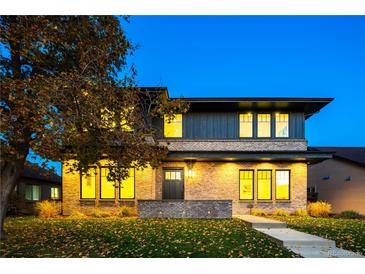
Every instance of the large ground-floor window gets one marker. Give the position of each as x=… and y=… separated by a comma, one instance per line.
x=264, y=184
x=246, y=184
x=108, y=188
x=262, y=189
x=88, y=184
x=127, y=187
x=282, y=182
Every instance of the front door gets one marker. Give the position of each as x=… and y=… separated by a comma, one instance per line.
x=173, y=183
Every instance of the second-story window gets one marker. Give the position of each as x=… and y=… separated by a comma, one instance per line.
x=173, y=128
x=246, y=125
x=263, y=125
x=281, y=125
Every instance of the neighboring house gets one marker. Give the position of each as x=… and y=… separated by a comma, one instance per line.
x=34, y=186
x=341, y=180
x=225, y=156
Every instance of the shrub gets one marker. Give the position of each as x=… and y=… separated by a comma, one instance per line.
x=100, y=213
x=258, y=212
x=127, y=211
x=301, y=212
x=280, y=212
x=349, y=214
x=47, y=209
x=319, y=209
x=77, y=215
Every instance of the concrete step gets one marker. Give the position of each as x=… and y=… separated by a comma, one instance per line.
x=294, y=239
x=315, y=252
x=260, y=222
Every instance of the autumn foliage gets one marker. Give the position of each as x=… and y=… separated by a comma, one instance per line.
x=67, y=92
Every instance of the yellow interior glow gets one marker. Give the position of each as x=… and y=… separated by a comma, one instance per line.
x=263, y=125
x=282, y=184
x=246, y=184
x=88, y=184
x=173, y=129
x=127, y=186
x=107, y=188
x=264, y=185
x=281, y=125
x=246, y=125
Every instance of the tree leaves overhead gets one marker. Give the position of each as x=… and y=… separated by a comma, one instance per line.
x=57, y=75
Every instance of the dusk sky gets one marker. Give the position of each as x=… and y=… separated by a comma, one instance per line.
x=261, y=56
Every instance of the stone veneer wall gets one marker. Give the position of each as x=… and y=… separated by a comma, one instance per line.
x=220, y=181
x=144, y=189
x=235, y=145
x=215, y=209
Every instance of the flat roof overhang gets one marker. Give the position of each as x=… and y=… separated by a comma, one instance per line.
x=308, y=106
x=253, y=156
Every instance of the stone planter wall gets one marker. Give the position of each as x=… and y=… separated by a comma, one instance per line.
x=199, y=209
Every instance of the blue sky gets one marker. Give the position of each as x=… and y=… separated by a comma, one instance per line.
x=261, y=56
x=258, y=56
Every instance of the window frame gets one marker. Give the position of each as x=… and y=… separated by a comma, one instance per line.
x=288, y=126
x=270, y=123
x=100, y=193
x=257, y=196
x=80, y=173
x=59, y=193
x=289, y=185
x=134, y=188
x=253, y=185
x=40, y=192
x=182, y=127
x=252, y=125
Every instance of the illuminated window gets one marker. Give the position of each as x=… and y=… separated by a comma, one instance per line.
x=173, y=129
x=282, y=184
x=88, y=184
x=55, y=192
x=263, y=125
x=246, y=125
x=281, y=125
x=107, y=188
x=127, y=186
x=264, y=185
x=246, y=184
x=32, y=192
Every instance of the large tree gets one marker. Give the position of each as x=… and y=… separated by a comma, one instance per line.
x=67, y=92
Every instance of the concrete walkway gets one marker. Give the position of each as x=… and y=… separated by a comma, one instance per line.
x=303, y=244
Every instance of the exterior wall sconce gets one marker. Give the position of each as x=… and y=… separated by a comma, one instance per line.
x=348, y=178
x=190, y=164
x=326, y=178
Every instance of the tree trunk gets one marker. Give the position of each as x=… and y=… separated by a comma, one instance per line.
x=10, y=173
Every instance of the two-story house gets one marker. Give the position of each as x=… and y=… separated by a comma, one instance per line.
x=226, y=155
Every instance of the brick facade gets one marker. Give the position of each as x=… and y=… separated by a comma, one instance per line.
x=211, y=181
x=236, y=145
x=144, y=189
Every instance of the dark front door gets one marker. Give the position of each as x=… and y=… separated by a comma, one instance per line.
x=173, y=184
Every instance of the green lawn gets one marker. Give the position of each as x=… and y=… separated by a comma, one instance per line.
x=348, y=234
x=34, y=237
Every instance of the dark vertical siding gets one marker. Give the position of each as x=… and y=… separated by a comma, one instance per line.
x=225, y=125
x=211, y=125
x=296, y=125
